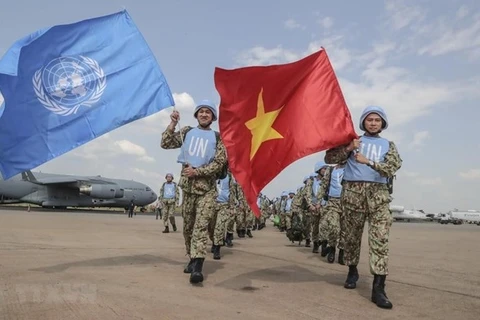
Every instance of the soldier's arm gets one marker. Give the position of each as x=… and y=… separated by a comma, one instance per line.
x=177, y=195
x=231, y=189
x=216, y=165
x=323, y=185
x=308, y=192
x=173, y=139
x=391, y=164
x=160, y=194
x=337, y=154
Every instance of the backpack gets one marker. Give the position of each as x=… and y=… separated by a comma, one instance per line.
x=296, y=232
x=223, y=173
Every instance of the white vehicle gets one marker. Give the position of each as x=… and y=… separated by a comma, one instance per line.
x=459, y=217
x=400, y=213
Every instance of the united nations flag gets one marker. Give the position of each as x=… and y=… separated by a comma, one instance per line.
x=66, y=85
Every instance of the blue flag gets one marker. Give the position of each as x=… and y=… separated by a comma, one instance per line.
x=66, y=85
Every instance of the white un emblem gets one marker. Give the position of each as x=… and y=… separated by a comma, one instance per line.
x=67, y=83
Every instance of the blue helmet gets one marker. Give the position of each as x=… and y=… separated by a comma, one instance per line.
x=284, y=193
x=313, y=175
x=207, y=104
x=319, y=165
x=305, y=179
x=169, y=174
x=291, y=192
x=377, y=110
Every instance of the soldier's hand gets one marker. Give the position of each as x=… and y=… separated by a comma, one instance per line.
x=189, y=172
x=355, y=144
x=175, y=116
x=361, y=158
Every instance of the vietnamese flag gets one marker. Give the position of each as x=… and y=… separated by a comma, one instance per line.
x=271, y=116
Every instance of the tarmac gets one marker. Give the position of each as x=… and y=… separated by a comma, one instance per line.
x=86, y=265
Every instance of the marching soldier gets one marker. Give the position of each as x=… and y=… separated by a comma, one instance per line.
x=203, y=158
x=169, y=196
x=372, y=162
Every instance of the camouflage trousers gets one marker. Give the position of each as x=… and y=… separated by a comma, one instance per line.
x=240, y=218
x=197, y=212
x=333, y=220
x=218, y=223
x=232, y=218
x=283, y=221
x=249, y=219
x=319, y=227
x=307, y=224
x=168, y=212
x=288, y=220
x=367, y=201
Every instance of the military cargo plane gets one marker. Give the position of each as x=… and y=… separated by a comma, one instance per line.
x=61, y=191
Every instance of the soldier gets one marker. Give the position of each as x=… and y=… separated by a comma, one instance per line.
x=233, y=217
x=281, y=211
x=224, y=205
x=169, y=196
x=372, y=161
x=203, y=158
x=331, y=188
x=131, y=208
x=315, y=205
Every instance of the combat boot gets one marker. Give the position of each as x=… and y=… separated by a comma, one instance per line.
x=216, y=253
x=352, y=278
x=249, y=233
x=341, y=259
x=196, y=276
x=325, y=248
x=331, y=255
x=261, y=226
x=166, y=230
x=316, y=246
x=241, y=233
x=174, y=227
x=189, y=267
x=228, y=239
x=307, y=243
x=212, y=249
x=379, y=296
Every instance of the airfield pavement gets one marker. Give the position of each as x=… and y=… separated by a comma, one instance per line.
x=85, y=265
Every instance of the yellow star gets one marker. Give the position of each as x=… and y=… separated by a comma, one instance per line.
x=261, y=126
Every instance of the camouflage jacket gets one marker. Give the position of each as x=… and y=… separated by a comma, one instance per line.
x=177, y=194
x=206, y=176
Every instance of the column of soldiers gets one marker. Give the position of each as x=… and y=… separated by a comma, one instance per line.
x=330, y=208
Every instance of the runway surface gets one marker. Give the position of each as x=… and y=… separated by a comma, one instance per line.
x=80, y=265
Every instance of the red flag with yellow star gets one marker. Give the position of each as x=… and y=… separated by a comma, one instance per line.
x=271, y=116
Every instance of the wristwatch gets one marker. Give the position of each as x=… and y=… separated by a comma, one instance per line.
x=371, y=163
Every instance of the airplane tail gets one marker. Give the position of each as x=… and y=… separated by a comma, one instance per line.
x=28, y=176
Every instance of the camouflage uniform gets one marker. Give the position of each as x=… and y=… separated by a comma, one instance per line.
x=307, y=214
x=362, y=200
x=241, y=212
x=222, y=215
x=199, y=194
x=168, y=207
x=366, y=200
x=333, y=222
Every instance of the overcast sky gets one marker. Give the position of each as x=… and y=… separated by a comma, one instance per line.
x=417, y=59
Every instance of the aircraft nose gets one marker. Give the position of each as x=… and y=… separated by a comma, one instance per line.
x=154, y=195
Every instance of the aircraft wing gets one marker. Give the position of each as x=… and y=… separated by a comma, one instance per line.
x=63, y=180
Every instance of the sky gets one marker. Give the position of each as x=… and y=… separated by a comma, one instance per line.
x=419, y=60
